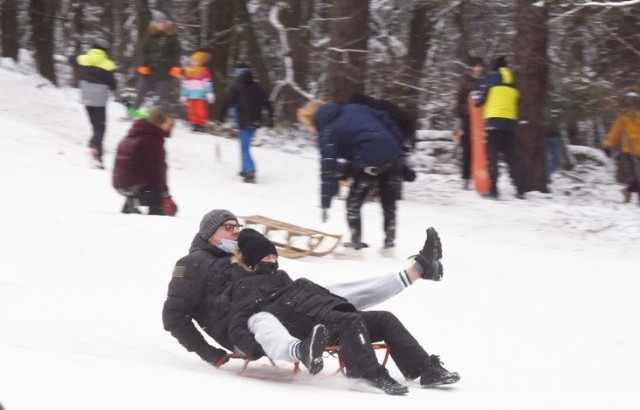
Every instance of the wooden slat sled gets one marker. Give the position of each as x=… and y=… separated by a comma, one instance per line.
x=333, y=351
x=291, y=240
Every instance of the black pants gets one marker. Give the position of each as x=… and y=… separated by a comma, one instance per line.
x=355, y=331
x=500, y=141
x=465, y=143
x=143, y=196
x=388, y=183
x=98, y=118
x=161, y=86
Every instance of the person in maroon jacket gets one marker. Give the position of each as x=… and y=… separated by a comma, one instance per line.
x=140, y=170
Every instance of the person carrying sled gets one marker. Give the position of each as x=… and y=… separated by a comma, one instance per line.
x=96, y=79
x=471, y=80
x=371, y=142
x=624, y=135
x=305, y=307
x=140, y=169
x=197, y=91
x=499, y=98
x=160, y=65
x=200, y=285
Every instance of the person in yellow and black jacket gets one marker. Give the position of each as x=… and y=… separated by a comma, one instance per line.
x=624, y=135
x=96, y=79
x=499, y=98
x=160, y=66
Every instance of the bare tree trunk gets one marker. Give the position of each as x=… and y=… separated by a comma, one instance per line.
x=348, y=49
x=419, y=38
x=533, y=79
x=74, y=29
x=254, y=52
x=219, y=36
x=9, y=24
x=297, y=16
x=143, y=17
x=42, y=23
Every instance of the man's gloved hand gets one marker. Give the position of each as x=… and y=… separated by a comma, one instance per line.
x=607, y=151
x=211, y=97
x=175, y=71
x=325, y=215
x=144, y=70
x=183, y=99
x=214, y=356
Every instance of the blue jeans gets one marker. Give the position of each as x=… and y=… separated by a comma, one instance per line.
x=245, y=144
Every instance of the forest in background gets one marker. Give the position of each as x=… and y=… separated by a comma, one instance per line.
x=572, y=60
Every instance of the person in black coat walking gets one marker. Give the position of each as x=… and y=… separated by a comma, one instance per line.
x=306, y=308
x=249, y=100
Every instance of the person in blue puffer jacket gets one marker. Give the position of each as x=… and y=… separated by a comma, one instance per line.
x=373, y=144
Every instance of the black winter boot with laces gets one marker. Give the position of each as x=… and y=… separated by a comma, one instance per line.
x=382, y=380
x=429, y=256
x=433, y=374
x=310, y=350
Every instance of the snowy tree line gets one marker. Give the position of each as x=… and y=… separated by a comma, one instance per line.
x=572, y=59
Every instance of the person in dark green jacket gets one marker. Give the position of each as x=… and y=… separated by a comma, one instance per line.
x=160, y=66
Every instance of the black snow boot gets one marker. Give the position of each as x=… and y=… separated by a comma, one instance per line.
x=130, y=206
x=429, y=256
x=433, y=374
x=382, y=380
x=310, y=350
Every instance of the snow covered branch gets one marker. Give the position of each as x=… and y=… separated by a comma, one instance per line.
x=274, y=19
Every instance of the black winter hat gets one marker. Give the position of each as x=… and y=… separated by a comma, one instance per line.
x=499, y=62
x=254, y=246
x=101, y=44
x=212, y=220
x=474, y=61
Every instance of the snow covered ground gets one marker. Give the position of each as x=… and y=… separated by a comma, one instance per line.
x=538, y=307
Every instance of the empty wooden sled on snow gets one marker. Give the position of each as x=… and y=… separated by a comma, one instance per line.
x=294, y=241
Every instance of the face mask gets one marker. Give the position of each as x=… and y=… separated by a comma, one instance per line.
x=228, y=245
x=266, y=267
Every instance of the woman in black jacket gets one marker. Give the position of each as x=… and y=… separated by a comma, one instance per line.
x=306, y=308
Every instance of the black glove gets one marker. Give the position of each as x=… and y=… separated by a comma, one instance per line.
x=216, y=357
x=408, y=174
x=607, y=151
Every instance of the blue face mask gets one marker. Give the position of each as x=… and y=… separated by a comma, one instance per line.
x=228, y=245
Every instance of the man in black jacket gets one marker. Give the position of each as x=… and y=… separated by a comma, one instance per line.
x=199, y=293
x=305, y=307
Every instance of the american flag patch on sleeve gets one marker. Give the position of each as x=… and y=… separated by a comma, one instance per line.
x=178, y=272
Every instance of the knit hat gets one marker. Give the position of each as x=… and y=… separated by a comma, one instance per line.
x=157, y=15
x=101, y=44
x=200, y=57
x=212, y=220
x=474, y=61
x=254, y=246
x=499, y=62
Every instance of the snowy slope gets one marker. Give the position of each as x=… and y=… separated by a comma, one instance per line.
x=538, y=307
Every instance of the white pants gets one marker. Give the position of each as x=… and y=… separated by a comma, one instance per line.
x=278, y=344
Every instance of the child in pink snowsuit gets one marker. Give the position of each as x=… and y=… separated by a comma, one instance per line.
x=197, y=91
